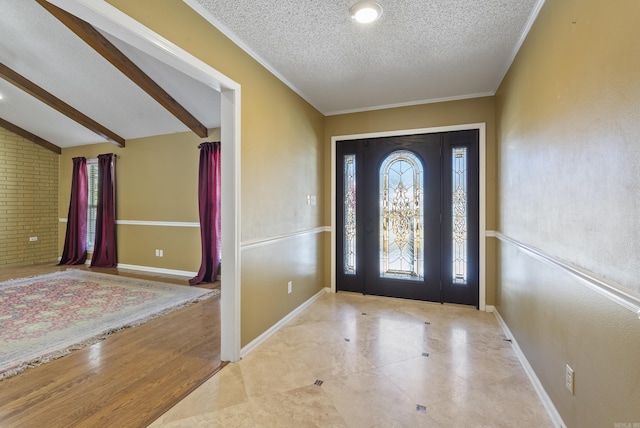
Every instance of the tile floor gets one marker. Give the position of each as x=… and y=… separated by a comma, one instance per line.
x=382, y=362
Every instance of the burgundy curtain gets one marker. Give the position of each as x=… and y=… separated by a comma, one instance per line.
x=75, y=241
x=104, y=251
x=209, y=207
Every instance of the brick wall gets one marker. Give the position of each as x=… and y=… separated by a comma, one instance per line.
x=28, y=202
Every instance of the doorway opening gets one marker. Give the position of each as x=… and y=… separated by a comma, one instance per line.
x=107, y=18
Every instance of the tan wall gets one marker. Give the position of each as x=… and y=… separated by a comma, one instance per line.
x=156, y=180
x=279, y=263
x=568, y=135
x=28, y=201
x=281, y=163
x=476, y=110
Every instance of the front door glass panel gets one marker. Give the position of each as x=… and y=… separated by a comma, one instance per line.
x=401, y=217
x=459, y=209
x=349, y=220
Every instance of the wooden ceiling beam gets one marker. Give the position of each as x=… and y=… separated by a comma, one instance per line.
x=56, y=103
x=111, y=53
x=29, y=136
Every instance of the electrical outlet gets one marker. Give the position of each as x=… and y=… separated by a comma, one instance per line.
x=159, y=253
x=289, y=287
x=569, y=378
x=33, y=239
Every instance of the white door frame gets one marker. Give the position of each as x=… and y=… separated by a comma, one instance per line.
x=108, y=18
x=482, y=142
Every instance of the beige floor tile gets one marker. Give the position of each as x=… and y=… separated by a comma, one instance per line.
x=335, y=360
x=268, y=373
x=480, y=365
x=239, y=416
x=309, y=335
x=293, y=337
x=425, y=381
x=494, y=407
x=516, y=392
x=389, y=347
x=328, y=308
x=298, y=408
x=365, y=326
x=458, y=414
x=223, y=390
x=370, y=399
x=370, y=353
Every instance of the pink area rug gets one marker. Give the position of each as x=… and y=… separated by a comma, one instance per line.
x=48, y=316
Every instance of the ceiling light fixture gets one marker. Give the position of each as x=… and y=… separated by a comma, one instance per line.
x=366, y=11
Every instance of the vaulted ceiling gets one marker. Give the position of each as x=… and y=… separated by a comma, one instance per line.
x=41, y=58
x=419, y=51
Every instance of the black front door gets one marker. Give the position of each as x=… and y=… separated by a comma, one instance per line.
x=407, y=216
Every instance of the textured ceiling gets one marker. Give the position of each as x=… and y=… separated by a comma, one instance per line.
x=419, y=51
x=36, y=45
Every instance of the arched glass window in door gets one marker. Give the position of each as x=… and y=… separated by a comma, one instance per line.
x=401, y=217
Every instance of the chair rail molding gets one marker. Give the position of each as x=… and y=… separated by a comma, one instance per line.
x=605, y=288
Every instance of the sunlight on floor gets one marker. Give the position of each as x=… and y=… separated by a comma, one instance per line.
x=382, y=362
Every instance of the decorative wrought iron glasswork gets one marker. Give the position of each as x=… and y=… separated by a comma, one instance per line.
x=349, y=220
x=459, y=202
x=401, y=217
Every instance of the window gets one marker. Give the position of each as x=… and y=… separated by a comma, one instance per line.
x=459, y=209
x=349, y=219
x=92, y=201
x=401, y=217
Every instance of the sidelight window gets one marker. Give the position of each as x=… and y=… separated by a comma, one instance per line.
x=349, y=216
x=459, y=209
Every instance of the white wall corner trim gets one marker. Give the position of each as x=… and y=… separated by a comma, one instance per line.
x=535, y=382
x=277, y=326
x=516, y=48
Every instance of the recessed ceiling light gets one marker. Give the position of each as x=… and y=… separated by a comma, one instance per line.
x=366, y=11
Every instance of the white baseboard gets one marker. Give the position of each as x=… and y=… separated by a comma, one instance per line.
x=151, y=269
x=158, y=270
x=490, y=308
x=537, y=385
x=277, y=326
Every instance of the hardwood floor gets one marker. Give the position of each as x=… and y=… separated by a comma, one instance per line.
x=128, y=379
